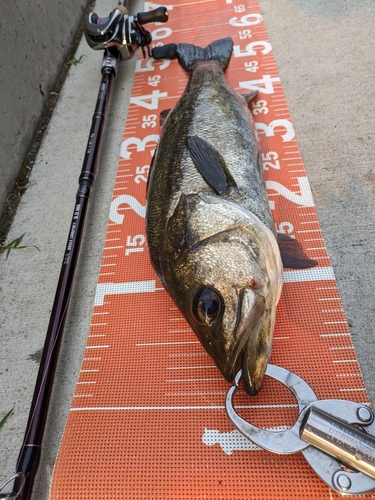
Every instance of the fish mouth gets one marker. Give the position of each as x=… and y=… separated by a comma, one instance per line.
x=248, y=330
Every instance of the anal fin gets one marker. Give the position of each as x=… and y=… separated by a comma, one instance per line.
x=292, y=253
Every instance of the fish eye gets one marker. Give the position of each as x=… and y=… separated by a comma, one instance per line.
x=207, y=305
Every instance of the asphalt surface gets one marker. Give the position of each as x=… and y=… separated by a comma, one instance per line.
x=325, y=55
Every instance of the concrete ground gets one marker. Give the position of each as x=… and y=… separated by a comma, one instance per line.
x=325, y=52
x=32, y=56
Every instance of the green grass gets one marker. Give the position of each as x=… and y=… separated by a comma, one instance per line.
x=14, y=245
x=4, y=419
x=75, y=61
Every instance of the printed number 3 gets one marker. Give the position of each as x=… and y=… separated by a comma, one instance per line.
x=139, y=143
x=269, y=130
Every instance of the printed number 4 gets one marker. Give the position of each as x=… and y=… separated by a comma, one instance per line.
x=264, y=85
x=149, y=101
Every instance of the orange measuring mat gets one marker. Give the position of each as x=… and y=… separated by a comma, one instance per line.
x=147, y=419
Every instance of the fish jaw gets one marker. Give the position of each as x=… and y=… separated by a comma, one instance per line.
x=250, y=314
x=257, y=352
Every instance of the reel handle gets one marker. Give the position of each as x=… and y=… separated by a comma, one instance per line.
x=159, y=15
x=121, y=32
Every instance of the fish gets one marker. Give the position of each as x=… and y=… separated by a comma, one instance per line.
x=211, y=236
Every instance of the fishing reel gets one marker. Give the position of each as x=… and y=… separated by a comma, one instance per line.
x=119, y=30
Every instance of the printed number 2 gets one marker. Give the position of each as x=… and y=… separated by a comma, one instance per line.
x=305, y=197
x=128, y=200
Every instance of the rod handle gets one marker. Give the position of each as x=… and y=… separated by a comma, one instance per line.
x=168, y=51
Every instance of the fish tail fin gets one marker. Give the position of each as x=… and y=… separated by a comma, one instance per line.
x=220, y=51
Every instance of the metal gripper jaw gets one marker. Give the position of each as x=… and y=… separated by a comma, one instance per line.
x=119, y=30
x=329, y=433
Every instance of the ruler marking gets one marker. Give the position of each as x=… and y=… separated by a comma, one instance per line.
x=345, y=361
x=153, y=344
x=335, y=335
x=97, y=346
x=315, y=274
x=341, y=348
x=335, y=322
x=332, y=310
x=187, y=354
x=354, y=389
x=176, y=408
x=194, y=380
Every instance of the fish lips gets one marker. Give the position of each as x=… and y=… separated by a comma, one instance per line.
x=251, y=311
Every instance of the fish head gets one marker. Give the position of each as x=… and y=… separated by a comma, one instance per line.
x=222, y=267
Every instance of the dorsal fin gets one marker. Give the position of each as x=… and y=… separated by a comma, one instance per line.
x=163, y=116
x=151, y=169
x=292, y=253
x=248, y=96
x=209, y=163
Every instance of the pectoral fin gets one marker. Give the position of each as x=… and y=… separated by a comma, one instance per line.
x=293, y=254
x=210, y=164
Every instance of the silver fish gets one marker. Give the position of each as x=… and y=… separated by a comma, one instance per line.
x=210, y=232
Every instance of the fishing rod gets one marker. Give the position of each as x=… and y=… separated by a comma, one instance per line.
x=120, y=36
